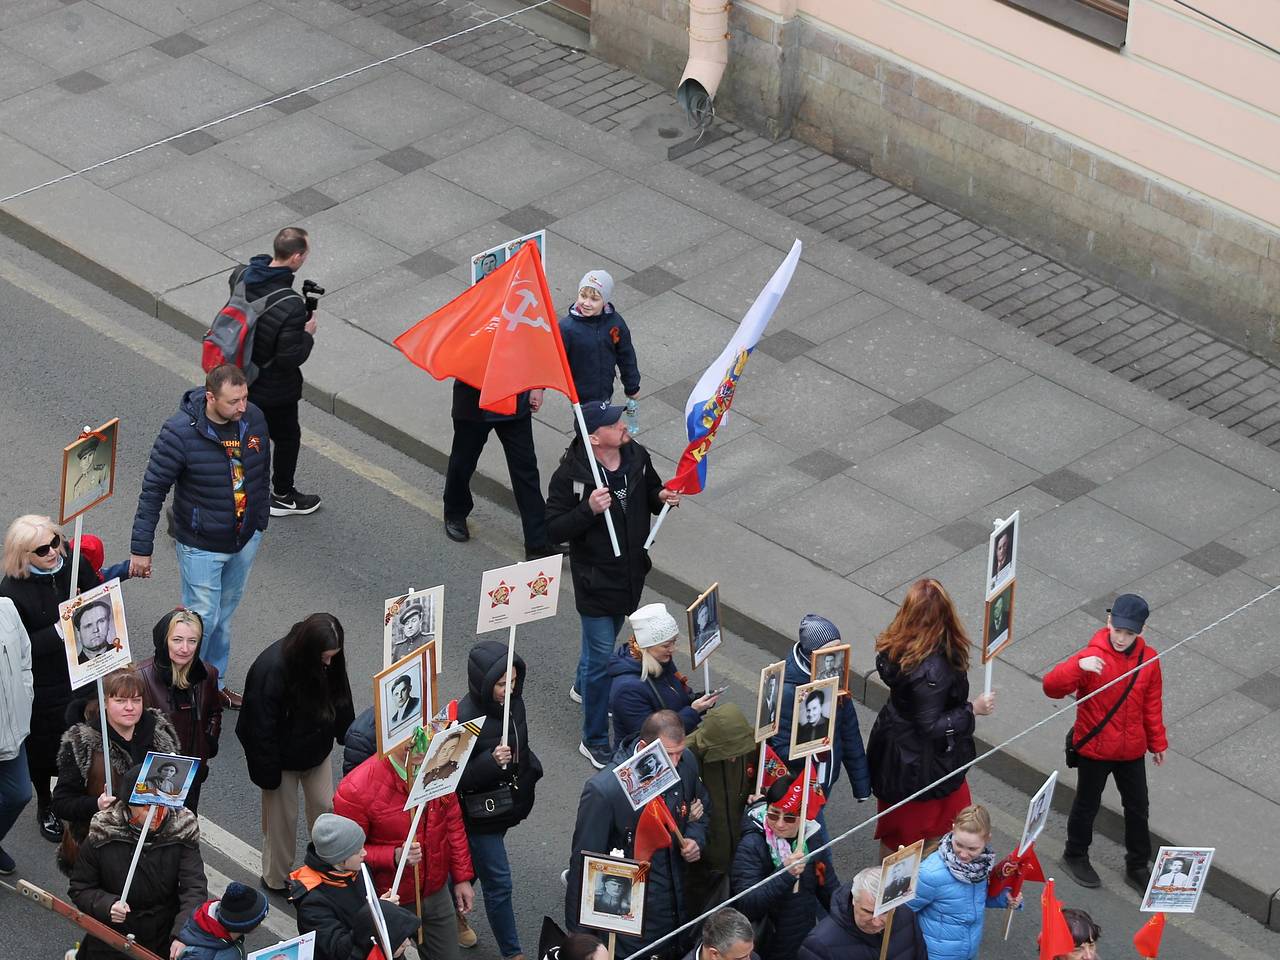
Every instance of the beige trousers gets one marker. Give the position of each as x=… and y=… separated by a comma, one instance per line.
x=280, y=817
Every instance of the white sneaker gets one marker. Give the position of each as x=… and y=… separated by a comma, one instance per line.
x=574, y=695
x=564, y=878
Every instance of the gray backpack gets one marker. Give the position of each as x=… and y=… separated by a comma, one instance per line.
x=230, y=337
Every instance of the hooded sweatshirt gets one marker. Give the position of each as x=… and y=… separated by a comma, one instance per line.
x=727, y=752
x=196, y=712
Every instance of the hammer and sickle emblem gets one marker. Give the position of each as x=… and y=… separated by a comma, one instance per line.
x=517, y=317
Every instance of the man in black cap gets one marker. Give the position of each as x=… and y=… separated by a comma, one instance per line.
x=606, y=588
x=1113, y=732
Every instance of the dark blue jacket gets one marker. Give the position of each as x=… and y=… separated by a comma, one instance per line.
x=595, y=346
x=203, y=945
x=846, y=745
x=606, y=820
x=790, y=915
x=188, y=457
x=632, y=698
x=837, y=937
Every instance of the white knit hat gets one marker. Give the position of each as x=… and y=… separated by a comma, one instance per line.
x=652, y=625
x=599, y=280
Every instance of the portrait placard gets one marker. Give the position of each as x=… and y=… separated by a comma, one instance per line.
x=299, y=948
x=95, y=636
x=1037, y=813
x=1177, y=879
x=769, y=700
x=997, y=622
x=411, y=621
x=441, y=769
x=164, y=780
x=831, y=661
x=813, y=717
x=519, y=593
x=1002, y=554
x=898, y=874
x=487, y=261
x=401, y=700
x=88, y=470
x=648, y=774
x=704, y=625
x=612, y=895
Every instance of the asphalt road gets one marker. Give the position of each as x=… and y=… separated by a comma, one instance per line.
x=76, y=356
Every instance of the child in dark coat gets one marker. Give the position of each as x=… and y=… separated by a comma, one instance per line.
x=217, y=928
x=597, y=341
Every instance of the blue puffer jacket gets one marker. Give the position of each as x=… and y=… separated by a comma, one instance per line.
x=203, y=945
x=188, y=457
x=950, y=911
x=791, y=915
x=632, y=698
x=846, y=745
x=595, y=346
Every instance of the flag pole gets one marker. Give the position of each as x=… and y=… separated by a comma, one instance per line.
x=137, y=852
x=760, y=768
x=404, y=851
x=653, y=534
x=595, y=474
x=102, y=700
x=506, y=701
x=804, y=813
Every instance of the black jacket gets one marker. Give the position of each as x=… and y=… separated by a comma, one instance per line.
x=189, y=457
x=466, y=405
x=273, y=736
x=168, y=885
x=36, y=598
x=837, y=937
x=281, y=343
x=923, y=732
x=485, y=664
x=604, y=585
x=195, y=712
x=595, y=346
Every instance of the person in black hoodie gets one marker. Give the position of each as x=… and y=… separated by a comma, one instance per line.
x=606, y=588
x=496, y=788
x=185, y=689
x=282, y=343
x=297, y=702
x=37, y=577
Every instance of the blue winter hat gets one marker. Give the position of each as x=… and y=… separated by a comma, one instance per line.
x=241, y=908
x=816, y=632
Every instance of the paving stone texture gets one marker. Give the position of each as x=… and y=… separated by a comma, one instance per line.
x=881, y=425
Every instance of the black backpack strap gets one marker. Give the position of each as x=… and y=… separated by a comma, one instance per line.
x=1114, y=707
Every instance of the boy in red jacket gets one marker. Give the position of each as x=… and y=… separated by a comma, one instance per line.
x=1113, y=740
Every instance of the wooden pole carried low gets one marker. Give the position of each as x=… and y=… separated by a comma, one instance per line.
x=888, y=929
x=804, y=813
x=613, y=943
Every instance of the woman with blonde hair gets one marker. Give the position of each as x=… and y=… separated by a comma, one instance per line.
x=37, y=577
x=185, y=689
x=644, y=678
x=923, y=735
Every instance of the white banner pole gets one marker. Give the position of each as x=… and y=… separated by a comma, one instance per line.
x=404, y=851
x=137, y=852
x=986, y=677
x=595, y=475
x=506, y=701
x=653, y=534
x=760, y=768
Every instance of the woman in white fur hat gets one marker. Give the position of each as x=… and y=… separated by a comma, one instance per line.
x=644, y=678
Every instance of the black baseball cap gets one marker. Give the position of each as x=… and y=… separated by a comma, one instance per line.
x=1129, y=612
x=600, y=413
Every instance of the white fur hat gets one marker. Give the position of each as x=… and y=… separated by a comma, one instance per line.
x=652, y=625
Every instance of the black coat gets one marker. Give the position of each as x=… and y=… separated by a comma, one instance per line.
x=466, y=405
x=36, y=598
x=281, y=343
x=837, y=937
x=195, y=712
x=604, y=585
x=168, y=885
x=485, y=664
x=923, y=732
x=275, y=737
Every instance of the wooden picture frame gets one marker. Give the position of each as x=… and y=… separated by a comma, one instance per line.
x=706, y=637
x=769, y=700
x=827, y=694
x=899, y=873
x=997, y=622
x=612, y=894
x=402, y=700
x=819, y=670
x=88, y=470
x=429, y=605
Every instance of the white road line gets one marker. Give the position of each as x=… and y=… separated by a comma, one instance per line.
x=230, y=846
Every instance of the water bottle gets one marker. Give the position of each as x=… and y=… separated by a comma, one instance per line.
x=632, y=417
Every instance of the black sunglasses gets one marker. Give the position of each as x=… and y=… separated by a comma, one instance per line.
x=53, y=544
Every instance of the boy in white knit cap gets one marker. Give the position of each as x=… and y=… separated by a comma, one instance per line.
x=598, y=342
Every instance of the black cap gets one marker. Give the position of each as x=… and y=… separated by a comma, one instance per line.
x=599, y=414
x=1129, y=612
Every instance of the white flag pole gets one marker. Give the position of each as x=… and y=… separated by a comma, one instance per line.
x=706, y=674
x=137, y=852
x=653, y=534
x=986, y=678
x=379, y=921
x=506, y=701
x=595, y=475
x=804, y=814
x=102, y=700
x=408, y=842
x=760, y=768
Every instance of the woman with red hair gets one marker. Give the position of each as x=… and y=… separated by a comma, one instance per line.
x=925, y=730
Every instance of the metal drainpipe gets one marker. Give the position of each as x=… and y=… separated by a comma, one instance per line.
x=708, y=56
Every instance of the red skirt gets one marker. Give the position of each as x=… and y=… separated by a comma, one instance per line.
x=920, y=819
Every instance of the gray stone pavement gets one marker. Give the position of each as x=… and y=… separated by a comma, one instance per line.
x=879, y=429
x=950, y=253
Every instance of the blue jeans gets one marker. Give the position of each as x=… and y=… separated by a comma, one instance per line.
x=15, y=789
x=212, y=585
x=599, y=634
x=489, y=857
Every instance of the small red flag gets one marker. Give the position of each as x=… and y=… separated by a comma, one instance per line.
x=1147, y=939
x=653, y=830
x=1055, y=935
x=1013, y=870
x=793, y=799
x=501, y=336
x=774, y=768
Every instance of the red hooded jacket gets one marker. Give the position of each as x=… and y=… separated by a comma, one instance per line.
x=1138, y=725
x=373, y=795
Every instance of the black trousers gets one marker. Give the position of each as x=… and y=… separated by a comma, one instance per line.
x=469, y=438
x=286, y=441
x=1131, y=781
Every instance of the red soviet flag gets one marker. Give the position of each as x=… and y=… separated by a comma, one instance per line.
x=1055, y=935
x=653, y=829
x=1147, y=940
x=500, y=336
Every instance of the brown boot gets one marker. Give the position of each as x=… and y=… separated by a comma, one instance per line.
x=466, y=936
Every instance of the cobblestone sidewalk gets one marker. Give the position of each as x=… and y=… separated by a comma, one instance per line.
x=958, y=256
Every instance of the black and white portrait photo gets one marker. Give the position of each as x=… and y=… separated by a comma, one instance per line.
x=88, y=470
x=769, y=700
x=813, y=717
x=647, y=774
x=1177, y=879
x=442, y=767
x=704, y=625
x=402, y=700
x=410, y=622
x=1038, y=813
x=831, y=661
x=898, y=874
x=164, y=780
x=612, y=894
x=1002, y=555
x=94, y=633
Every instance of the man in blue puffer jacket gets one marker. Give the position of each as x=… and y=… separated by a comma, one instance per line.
x=215, y=453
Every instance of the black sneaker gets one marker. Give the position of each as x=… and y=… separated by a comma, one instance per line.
x=1082, y=871
x=7, y=866
x=50, y=825
x=285, y=504
x=1137, y=877
x=599, y=758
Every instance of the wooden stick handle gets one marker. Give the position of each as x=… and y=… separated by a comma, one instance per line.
x=888, y=929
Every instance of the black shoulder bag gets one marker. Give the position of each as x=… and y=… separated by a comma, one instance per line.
x=1073, y=749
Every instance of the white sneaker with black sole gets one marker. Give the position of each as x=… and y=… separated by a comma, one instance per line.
x=288, y=504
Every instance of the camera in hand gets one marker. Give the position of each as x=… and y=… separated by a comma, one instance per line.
x=311, y=293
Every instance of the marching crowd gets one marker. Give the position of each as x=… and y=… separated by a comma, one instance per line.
x=740, y=829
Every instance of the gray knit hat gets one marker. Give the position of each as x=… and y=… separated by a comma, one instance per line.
x=336, y=838
x=815, y=633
